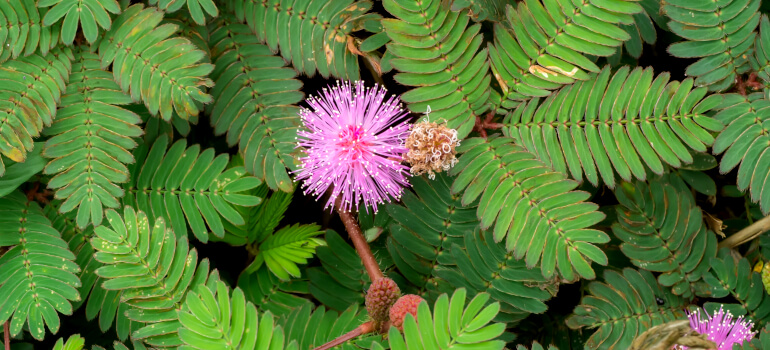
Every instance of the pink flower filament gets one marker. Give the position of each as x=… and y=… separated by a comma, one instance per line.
x=354, y=144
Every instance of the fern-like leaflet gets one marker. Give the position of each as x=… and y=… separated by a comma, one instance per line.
x=485, y=266
x=37, y=274
x=721, y=33
x=453, y=324
x=98, y=302
x=215, y=318
x=535, y=209
x=90, y=142
x=255, y=103
x=153, y=268
x=88, y=13
x=424, y=229
x=436, y=51
x=663, y=231
x=651, y=121
x=195, y=8
x=313, y=34
x=309, y=326
x=22, y=31
x=186, y=185
x=547, y=44
x=624, y=306
x=154, y=66
x=32, y=87
x=283, y=250
x=736, y=279
x=745, y=142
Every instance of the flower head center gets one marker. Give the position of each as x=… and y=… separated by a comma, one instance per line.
x=352, y=140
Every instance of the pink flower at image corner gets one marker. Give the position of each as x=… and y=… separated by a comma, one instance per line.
x=355, y=144
x=721, y=328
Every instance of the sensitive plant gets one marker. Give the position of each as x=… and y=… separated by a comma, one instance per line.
x=396, y=174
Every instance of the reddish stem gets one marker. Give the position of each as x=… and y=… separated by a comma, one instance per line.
x=359, y=242
x=481, y=126
x=7, y=335
x=365, y=328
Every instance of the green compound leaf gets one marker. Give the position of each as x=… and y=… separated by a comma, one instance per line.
x=662, y=231
x=312, y=35
x=38, y=279
x=641, y=32
x=185, y=186
x=453, y=325
x=74, y=342
x=535, y=209
x=98, y=301
x=719, y=33
x=736, y=279
x=153, y=268
x=623, y=307
x=22, y=32
x=651, y=122
x=268, y=293
x=255, y=103
x=156, y=67
x=760, y=60
x=31, y=89
x=485, y=266
x=341, y=280
x=436, y=51
x=311, y=327
x=283, y=250
x=195, y=8
x=746, y=144
x=90, y=142
x=547, y=44
x=424, y=229
x=89, y=13
x=216, y=319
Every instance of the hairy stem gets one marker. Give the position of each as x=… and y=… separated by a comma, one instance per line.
x=365, y=328
x=362, y=248
x=7, y=335
x=747, y=234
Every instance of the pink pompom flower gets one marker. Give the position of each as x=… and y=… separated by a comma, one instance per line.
x=721, y=328
x=355, y=144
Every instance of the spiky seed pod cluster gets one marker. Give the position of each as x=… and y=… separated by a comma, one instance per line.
x=382, y=294
x=432, y=148
x=407, y=304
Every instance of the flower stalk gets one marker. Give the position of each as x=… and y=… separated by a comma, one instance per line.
x=359, y=242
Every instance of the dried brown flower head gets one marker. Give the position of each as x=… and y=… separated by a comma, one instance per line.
x=431, y=148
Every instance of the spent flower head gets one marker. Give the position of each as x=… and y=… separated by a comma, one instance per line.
x=721, y=328
x=355, y=144
x=431, y=148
